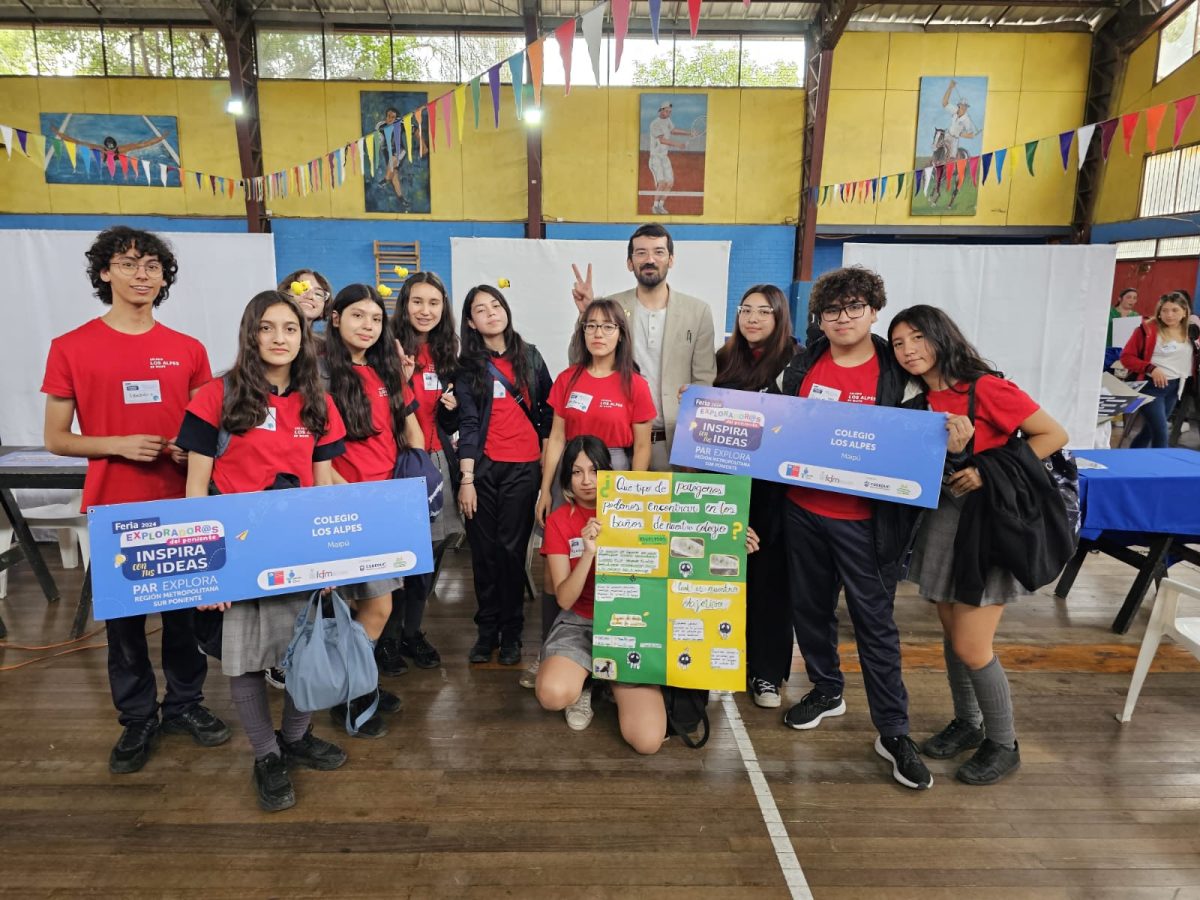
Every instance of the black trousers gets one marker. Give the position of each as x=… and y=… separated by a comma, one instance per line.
x=131, y=676
x=499, y=535
x=768, y=614
x=824, y=554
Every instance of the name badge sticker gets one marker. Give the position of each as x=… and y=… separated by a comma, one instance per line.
x=820, y=392
x=498, y=390
x=579, y=401
x=137, y=392
x=576, y=547
x=431, y=381
x=269, y=424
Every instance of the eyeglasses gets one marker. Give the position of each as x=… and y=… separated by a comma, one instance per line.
x=316, y=294
x=755, y=312
x=129, y=267
x=659, y=254
x=852, y=311
x=608, y=329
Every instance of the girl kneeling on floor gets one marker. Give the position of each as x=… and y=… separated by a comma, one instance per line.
x=267, y=425
x=570, y=550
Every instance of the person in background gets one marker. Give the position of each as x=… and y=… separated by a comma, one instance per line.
x=282, y=432
x=1163, y=352
x=128, y=378
x=1125, y=306
x=673, y=343
x=313, y=300
x=752, y=359
x=930, y=346
x=504, y=416
x=424, y=328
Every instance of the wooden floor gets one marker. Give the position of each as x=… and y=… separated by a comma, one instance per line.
x=476, y=792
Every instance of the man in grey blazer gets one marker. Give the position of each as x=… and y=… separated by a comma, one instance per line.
x=673, y=338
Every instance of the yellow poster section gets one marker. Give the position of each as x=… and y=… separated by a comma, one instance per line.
x=628, y=544
x=1037, y=84
x=1121, y=186
x=703, y=607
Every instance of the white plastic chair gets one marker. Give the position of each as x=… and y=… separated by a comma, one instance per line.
x=1164, y=621
x=71, y=524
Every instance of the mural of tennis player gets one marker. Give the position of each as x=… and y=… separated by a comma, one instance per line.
x=662, y=130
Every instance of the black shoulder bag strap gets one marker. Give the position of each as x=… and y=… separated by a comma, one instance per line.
x=512, y=389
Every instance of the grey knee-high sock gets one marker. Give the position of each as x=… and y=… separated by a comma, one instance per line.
x=995, y=701
x=295, y=723
x=962, y=690
x=249, y=694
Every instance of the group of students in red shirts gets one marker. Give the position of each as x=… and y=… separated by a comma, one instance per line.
x=518, y=449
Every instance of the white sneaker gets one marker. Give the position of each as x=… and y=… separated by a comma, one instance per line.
x=764, y=693
x=579, y=713
x=528, y=678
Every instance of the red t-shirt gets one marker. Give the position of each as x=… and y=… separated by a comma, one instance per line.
x=281, y=444
x=511, y=436
x=564, y=528
x=846, y=384
x=427, y=388
x=373, y=458
x=1000, y=406
x=600, y=406
x=127, y=384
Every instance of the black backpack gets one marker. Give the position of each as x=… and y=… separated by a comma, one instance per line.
x=687, y=714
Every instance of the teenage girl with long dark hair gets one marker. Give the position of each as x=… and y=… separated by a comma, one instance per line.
x=601, y=393
x=929, y=345
x=366, y=383
x=502, y=389
x=424, y=327
x=759, y=349
x=1162, y=352
x=281, y=430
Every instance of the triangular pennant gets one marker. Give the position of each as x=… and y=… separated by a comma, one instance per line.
x=407, y=122
x=874, y=189
x=565, y=35
x=1001, y=155
x=494, y=86
x=446, y=113
x=883, y=187
x=22, y=139
x=42, y=150
x=694, y=16
x=212, y=180
x=475, y=98
x=389, y=138
x=111, y=162
x=961, y=172
x=1128, y=125
x=87, y=161
x=593, y=28
x=371, y=148
x=973, y=167
x=1107, y=130
x=1183, y=109
x=928, y=180
x=987, y=166
x=162, y=173
x=899, y=183
x=918, y=177
x=825, y=195
x=124, y=166
x=516, y=68
x=536, y=65
x=98, y=160
x=842, y=193
x=1154, y=120
x=620, y=13
x=1030, y=152
x=1084, y=136
x=460, y=108
x=655, y=13
x=1064, y=146
x=146, y=170
x=230, y=187
x=69, y=146
x=6, y=138
x=432, y=123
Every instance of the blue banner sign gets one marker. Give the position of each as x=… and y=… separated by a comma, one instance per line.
x=870, y=451
x=172, y=554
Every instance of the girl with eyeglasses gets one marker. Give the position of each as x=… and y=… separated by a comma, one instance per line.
x=378, y=409
x=752, y=359
x=502, y=386
x=280, y=429
x=313, y=301
x=424, y=328
x=602, y=394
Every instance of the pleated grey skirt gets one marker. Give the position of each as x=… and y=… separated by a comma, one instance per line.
x=255, y=633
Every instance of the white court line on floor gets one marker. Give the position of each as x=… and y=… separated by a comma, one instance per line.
x=784, y=853
x=671, y=193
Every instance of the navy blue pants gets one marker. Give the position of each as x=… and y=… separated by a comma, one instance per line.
x=131, y=675
x=825, y=555
x=1154, y=415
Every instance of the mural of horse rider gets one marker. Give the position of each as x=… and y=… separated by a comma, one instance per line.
x=951, y=111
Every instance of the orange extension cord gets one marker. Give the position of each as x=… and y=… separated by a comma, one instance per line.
x=4, y=645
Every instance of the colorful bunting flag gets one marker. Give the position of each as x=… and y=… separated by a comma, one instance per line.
x=1030, y=151
x=1084, y=135
x=883, y=187
x=918, y=177
x=655, y=13
x=961, y=172
x=6, y=137
x=162, y=174
x=407, y=123
x=494, y=85
x=973, y=166
x=1001, y=155
x=620, y=13
x=69, y=146
x=446, y=121
x=1064, y=146
x=110, y=160
x=1107, y=130
x=146, y=170
x=592, y=24
x=432, y=107
x=987, y=166
x=565, y=35
x=1183, y=109
x=475, y=90
x=516, y=68
x=694, y=16
x=1128, y=124
x=22, y=139
x=534, y=54
x=899, y=183
x=1154, y=120
x=460, y=108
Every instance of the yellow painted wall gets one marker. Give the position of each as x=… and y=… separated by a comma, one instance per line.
x=1036, y=88
x=1121, y=185
x=751, y=169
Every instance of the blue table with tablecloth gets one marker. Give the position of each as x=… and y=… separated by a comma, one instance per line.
x=1137, y=498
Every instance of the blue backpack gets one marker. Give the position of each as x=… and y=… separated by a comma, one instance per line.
x=414, y=463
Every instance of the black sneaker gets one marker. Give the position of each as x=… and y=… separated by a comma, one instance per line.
x=481, y=652
x=134, y=747
x=389, y=702
x=272, y=784
x=990, y=764
x=205, y=728
x=907, y=767
x=311, y=752
x=953, y=740
x=388, y=658
x=510, y=652
x=422, y=652
x=276, y=678
x=764, y=693
x=812, y=708
x=373, y=728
